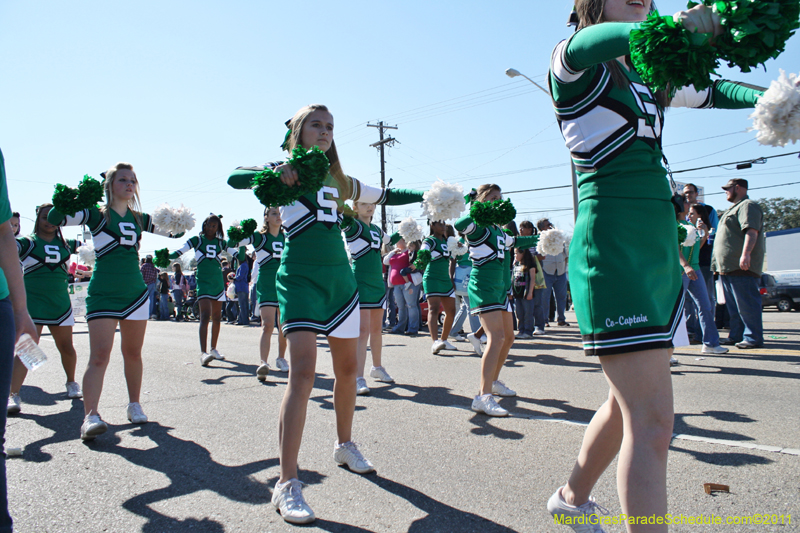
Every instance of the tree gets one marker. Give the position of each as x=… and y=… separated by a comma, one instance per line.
x=780, y=213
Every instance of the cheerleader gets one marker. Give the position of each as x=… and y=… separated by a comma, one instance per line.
x=317, y=295
x=208, y=248
x=44, y=256
x=268, y=244
x=488, y=297
x=438, y=286
x=364, y=240
x=117, y=295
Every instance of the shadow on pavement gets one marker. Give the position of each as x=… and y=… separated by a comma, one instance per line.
x=66, y=426
x=440, y=516
x=585, y=364
x=733, y=371
x=681, y=425
x=190, y=469
x=723, y=458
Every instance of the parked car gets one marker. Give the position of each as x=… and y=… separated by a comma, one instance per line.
x=788, y=297
x=767, y=286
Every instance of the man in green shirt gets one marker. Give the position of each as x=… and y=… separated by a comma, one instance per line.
x=738, y=258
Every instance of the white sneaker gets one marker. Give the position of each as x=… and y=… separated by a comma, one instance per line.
x=539, y=332
x=487, y=405
x=380, y=374
x=14, y=404
x=135, y=413
x=448, y=346
x=476, y=344
x=586, y=513
x=348, y=454
x=714, y=350
x=521, y=336
x=361, y=387
x=437, y=347
x=262, y=371
x=484, y=340
x=218, y=356
x=673, y=361
x=288, y=499
x=206, y=358
x=92, y=427
x=499, y=388
x=282, y=364
x=74, y=390
x=459, y=338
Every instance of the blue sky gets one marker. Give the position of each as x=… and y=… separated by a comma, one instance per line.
x=187, y=91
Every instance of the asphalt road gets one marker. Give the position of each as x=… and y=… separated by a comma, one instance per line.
x=207, y=461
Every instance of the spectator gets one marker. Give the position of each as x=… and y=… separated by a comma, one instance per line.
x=406, y=292
x=522, y=286
x=180, y=290
x=690, y=195
x=150, y=277
x=738, y=258
x=695, y=285
x=241, y=284
x=163, y=296
x=526, y=229
x=15, y=226
x=555, y=276
x=712, y=221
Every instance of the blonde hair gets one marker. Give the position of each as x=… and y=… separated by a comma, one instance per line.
x=296, y=125
x=485, y=190
x=133, y=204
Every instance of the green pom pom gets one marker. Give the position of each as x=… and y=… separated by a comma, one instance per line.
x=347, y=222
x=668, y=57
x=69, y=201
x=312, y=169
x=245, y=229
x=249, y=226
x=162, y=259
x=755, y=30
x=422, y=260
x=682, y=233
x=504, y=212
x=499, y=212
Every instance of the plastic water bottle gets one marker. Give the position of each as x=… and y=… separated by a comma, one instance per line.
x=29, y=352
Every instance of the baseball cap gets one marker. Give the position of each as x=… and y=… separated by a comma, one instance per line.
x=735, y=181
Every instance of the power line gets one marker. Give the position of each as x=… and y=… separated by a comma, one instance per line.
x=722, y=165
x=757, y=188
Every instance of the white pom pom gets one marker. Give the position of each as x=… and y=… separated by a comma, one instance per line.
x=173, y=219
x=777, y=113
x=410, y=230
x=456, y=248
x=551, y=242
x=691, y=236
x=444, y=201
x=86, y=254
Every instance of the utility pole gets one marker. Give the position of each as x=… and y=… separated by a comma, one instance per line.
x=379, y=145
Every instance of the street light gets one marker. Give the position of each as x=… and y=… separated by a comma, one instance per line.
x=513, y=73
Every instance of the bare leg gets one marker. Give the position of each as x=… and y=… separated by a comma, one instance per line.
x=205, y=316
x=101, y=341
x=20, y=371
x=132, y=338
x=281, y=337
x=508, y=336
x=302, y=364
x=641, y=388
x=363, y=339
x=493, y=323
x=449, y=305
x=62, y=335
x=343, y=353
x=375, y=336
x=267, y=325
x=433, y=317
x=216, y=317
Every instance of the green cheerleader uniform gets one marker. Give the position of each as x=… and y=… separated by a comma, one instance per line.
x=208, y=254
x=269, y=249
x=317, y=290
x=44, y=265
x=614, y=136
x=488, y=248
x=116, y=289
x=436, y=280
x=364, y=242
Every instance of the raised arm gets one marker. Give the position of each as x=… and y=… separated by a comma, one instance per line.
x=376, y=195
x=723, y=94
